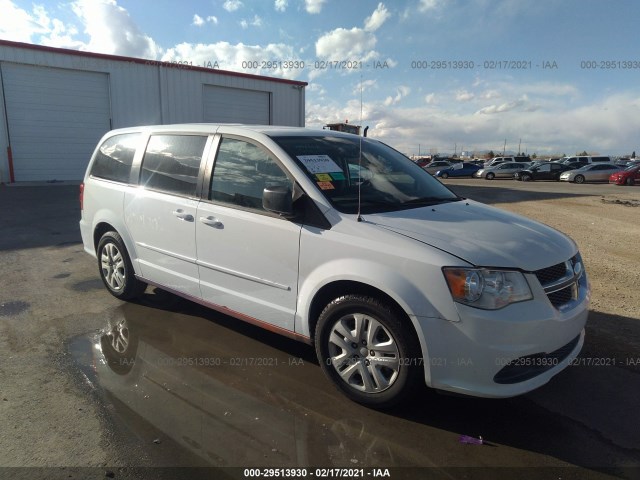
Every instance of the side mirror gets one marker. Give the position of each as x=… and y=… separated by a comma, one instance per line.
x=278, y=199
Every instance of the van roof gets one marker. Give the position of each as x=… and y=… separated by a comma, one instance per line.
x=208, y=128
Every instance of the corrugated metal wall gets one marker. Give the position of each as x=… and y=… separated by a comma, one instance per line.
x=150, y=92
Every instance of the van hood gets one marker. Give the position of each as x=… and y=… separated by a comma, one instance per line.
x=481, y=235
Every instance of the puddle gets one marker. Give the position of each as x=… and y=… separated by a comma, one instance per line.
x=10, y=309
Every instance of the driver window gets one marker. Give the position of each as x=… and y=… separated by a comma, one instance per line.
x=241, y=172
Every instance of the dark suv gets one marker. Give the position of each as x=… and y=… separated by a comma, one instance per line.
x=544, y=171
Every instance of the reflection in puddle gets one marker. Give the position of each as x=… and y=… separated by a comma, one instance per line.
x=228, y=398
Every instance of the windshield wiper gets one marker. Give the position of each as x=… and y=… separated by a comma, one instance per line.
x=430, y=200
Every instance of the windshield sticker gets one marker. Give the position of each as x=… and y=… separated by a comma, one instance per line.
x=319, y=163
x=337, y=175
x=326, y=185
x=324, y=177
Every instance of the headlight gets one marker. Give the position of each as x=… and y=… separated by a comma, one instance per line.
x=485, y=288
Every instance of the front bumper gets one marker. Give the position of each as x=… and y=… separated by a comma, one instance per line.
x=507, y=352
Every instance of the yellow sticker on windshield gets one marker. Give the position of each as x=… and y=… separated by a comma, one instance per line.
x=326, y=185
x=324, y=177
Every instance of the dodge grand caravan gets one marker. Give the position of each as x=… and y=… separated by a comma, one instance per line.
x=341, y=242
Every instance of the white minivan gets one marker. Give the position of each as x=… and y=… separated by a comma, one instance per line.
x=343, y=243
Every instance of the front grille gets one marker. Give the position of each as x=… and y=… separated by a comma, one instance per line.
x=561, y=281
x=527, y=367
x=551, y=274
x=560, y=297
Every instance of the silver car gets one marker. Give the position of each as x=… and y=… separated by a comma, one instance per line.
x=433, y=167
x=502, y=170
x=594, y=172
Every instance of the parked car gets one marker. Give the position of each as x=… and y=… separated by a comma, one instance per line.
x=497, y=160
x=544, y=171
x=181, y=207
x=503, y=170
x=436, y=165
x=595, y=172
x=466, y=169
x=630, y=176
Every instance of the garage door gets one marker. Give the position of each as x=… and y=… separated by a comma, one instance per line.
x=235, y=105
x=56, y=117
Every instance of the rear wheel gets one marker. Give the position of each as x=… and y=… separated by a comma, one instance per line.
x=579, y=179
x=367, y=350
x=490, y=176
x=116, y=269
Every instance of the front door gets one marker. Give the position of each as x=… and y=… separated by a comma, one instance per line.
x=247, y=257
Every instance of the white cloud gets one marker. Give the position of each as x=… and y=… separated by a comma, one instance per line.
x=314, y=6
x=256, y=22
x=212, y=19
x=377, y=18
x=609, y=126
x=232, y=5
x=111, y=30
x=354, y=44
x=401, y=92
x=431, y=99
x=366, y=86
x=428, y=5
x=198, y=21
x=464, y=96
x=280, y=5
x=231, y=57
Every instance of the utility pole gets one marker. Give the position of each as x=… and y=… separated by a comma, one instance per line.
x=504, y=149
x=519, y=144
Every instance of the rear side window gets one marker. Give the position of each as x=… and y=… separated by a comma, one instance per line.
x=241, y=172
x=171, y=163
x=114, y=157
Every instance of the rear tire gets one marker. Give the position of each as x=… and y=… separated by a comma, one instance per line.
x=368, y=350
x=116, y=269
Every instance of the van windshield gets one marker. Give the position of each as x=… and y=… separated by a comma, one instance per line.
x=384, y=179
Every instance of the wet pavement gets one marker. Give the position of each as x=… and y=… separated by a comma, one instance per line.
x=189, y=387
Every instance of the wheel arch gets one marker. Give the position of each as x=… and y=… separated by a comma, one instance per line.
x=106, y=225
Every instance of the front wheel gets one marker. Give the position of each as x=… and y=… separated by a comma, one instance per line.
x=630, y=181
x=369, y=350
x=579, y=179
x=526, y=178
x=116, y=269
x=445, y=175
x=490, y=176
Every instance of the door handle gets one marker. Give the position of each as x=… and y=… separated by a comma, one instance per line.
x=212, y=221
x=182, y=215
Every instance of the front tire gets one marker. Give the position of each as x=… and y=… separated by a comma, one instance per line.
x=368, y=350
x=445, y=175
x=579, y=179
x=490, y=176
x=526, y=178
x=630, y=182
x=116, y=269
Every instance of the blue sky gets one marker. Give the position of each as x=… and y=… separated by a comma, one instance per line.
x=447, y=79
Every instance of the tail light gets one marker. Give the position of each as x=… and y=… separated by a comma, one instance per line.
x=82, y=196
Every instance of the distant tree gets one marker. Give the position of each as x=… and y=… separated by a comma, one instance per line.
x=491, y=154
x=583, y=154
x=534, y=156
x=633, y=155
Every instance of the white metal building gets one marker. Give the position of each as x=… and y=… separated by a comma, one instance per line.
x=55, y=104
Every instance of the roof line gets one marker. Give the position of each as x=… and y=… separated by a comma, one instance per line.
x=142, y=61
